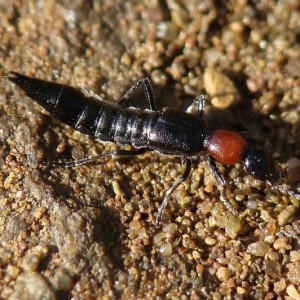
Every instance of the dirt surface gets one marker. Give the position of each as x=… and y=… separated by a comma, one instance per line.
x=89, y=232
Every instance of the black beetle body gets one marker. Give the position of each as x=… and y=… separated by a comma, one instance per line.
x=167, y=131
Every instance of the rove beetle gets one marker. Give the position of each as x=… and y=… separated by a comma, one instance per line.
x=167, y=131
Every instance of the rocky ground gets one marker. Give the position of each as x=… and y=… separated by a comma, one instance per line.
x=89, y=232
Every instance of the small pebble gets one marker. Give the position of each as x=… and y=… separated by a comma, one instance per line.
x=293, y=274
x=295, y=256
x=223, y=274
x=170, y=228
x=279, y=286
x=12, y=270
x=273, y=268
x=258, y=249
x=287, y=215
x=241, y=291
x=187, y=242
x=210, y=241
x=196, y=255
x=135, y=225
x=166, y=249
x=282, y=244
x=220, y=88
x=292, y=292
x=158, y=237
x=233, y=227
x=117, y=189
x=291, y=117
x=62, y=281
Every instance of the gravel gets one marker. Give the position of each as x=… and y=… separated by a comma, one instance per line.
x=89, y=232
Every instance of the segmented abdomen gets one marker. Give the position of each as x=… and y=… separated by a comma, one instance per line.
x=105, y=121
x=112, y=123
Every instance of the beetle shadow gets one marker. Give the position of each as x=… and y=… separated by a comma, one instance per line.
x=110, y=232
x=106, y=230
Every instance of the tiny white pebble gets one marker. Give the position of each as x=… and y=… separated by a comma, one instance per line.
x=166, y=249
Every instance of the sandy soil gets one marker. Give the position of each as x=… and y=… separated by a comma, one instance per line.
x=89, y=232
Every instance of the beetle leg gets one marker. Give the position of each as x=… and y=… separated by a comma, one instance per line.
x=87, y=160
x=283, y=188
x=199, y=104
x=89, y=93
x=187, y=162
x=222, y=184
x=148, y=91
x=215, y=170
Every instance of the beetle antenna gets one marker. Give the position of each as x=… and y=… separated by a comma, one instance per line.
x=283, y=188
x=74, y=163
